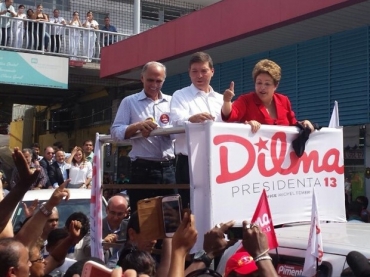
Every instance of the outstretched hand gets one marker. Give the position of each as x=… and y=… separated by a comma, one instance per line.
x=75, y=230
x=29, y=210
x=214, y=243
x=59, y=193
x=26, y=176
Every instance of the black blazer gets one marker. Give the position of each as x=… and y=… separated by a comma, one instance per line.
x=46, y=166
x=55, y=174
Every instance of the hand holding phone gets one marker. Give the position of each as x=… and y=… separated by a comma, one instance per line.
x=171, y=208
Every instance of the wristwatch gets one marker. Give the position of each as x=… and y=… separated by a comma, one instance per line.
x=201, y=256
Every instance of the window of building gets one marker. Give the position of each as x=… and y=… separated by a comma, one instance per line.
x=155, y=14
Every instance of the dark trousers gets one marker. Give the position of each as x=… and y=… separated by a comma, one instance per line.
x=55, y=43
x=182, y=177
x=5, y=35
x=150, y=172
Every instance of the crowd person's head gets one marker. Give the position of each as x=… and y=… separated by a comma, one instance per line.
x=8, y=3
x=133, y=258
x=79, y=156
x=88, y=147
x=48, y=153
x=106, y=194
x=75, y=270
x=363, y=200
x=107, y=21
x=89, y=16
x=39, y=8
x=27, y=153
x=75, y=15
x=58, y=145
x=241, y=264
x=37, y=260
x=36, y=148
x=51, y=223
x=81, y=217
x=54, y=237
x=116, y=210
x=21, y=9
x=14, y=258
x=60, y=156
x=56, y=13
x=153, y=76
x=135, y=238
x=266, y=75
x=29, y=13
x=201, y=70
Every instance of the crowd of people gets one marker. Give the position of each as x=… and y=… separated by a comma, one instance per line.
x=56, y=166
x=39, y=248
x=36, y=30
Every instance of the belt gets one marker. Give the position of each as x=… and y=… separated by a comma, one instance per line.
x=148, y=163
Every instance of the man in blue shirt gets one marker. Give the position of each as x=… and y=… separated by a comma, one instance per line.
x=109, y=38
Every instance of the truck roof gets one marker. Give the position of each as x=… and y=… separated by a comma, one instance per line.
x=338, y=238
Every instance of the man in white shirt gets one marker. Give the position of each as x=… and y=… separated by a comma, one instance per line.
x=195, y=103
x=152, y=156
x=88, y=147
x=6, y=10
x=56, y=31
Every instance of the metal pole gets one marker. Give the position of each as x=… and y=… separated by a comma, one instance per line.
x=137, y=16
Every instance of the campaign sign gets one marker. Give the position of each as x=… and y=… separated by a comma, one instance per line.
x=230, y=167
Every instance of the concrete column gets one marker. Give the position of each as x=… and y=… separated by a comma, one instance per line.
x=137, y=16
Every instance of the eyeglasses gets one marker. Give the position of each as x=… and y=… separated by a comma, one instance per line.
x=50, y=153
x=39, y=260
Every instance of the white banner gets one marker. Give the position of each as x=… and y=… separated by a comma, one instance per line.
x=231, y=166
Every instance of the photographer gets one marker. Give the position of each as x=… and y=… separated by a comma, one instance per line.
x=6, y=10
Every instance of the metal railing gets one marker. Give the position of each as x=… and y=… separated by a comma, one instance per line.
x=78, y=43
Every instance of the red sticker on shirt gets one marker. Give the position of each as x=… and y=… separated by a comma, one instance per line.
x=164, y=118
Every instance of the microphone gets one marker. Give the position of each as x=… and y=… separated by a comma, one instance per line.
x=359, y=264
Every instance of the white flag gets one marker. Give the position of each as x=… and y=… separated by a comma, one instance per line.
x=334, y=120
x=314, y=250
x=96, y=229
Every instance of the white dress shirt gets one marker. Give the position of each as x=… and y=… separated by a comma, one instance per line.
x=189, y=101
x=138, y=107
x=57, y=27
x=79, y=173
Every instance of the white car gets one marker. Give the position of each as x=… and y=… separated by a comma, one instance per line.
x=79, y=201
x=338, y=240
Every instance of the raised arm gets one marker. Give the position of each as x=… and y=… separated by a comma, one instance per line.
x=26, y=179
x=34, y=226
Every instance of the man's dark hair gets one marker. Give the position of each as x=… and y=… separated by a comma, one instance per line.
x=58, y=144
x=106, y=17
x=141, y=261
x=133, y=223
x=55, y=236
x=21, y=6
x=88, y=140
x=81, y=217
x=77, y=267
x=9, y=254
x=35, y=144
x=363, y=201
x=201, y=57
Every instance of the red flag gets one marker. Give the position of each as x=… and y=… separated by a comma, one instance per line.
x=262, y=217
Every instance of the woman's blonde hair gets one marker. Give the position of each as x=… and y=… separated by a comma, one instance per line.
x=269, y=67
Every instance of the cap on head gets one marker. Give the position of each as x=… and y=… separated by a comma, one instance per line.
x=241, y=263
